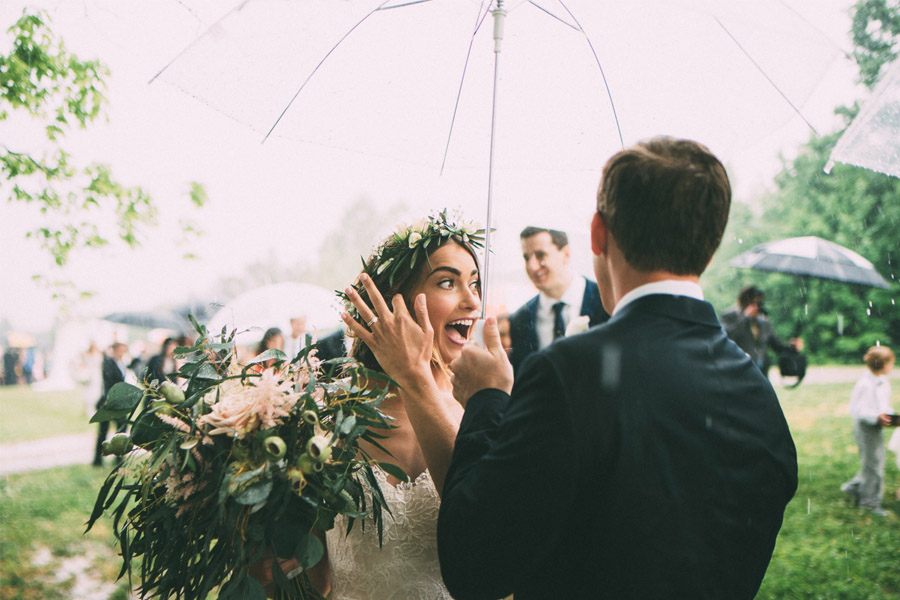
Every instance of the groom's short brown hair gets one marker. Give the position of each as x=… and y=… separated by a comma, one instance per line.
x=666, y=203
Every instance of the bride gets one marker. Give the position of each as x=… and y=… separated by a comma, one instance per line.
x=420, y=283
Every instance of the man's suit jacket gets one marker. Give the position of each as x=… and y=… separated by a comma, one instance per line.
x=645, y=458
x=111, y=374
x=739, y=328
x=523, y=322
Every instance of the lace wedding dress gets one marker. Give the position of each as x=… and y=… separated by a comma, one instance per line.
x=406, y=566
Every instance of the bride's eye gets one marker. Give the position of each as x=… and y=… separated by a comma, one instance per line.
x=474, y=285
x=445, y=284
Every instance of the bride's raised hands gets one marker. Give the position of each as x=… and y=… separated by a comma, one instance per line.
x=402, y=345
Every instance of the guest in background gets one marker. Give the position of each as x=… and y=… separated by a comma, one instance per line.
x=162, y=366
x=749, y=327
x=333, y=345
x=114, y=371
x=272, y=339
x=870, y=408
x=296, y=341
x=562, y=295
x=90, y=373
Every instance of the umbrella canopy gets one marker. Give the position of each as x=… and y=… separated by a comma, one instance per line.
x=274, y=305
x=419, y=82
x=388, y=78
x=814, y=257
x=873, y=139
x=148, y=319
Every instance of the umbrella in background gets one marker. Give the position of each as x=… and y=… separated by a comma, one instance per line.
x=148, y=320
x=813, y=257
x=873, y=139
x=274, y=305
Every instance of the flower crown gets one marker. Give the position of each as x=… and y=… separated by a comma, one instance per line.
x=401, y=255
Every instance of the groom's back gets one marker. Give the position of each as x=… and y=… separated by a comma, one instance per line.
x=690, y=460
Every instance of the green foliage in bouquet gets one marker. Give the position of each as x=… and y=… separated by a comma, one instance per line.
x=241, y=464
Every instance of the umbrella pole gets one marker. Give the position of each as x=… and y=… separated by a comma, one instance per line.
x=499, y=15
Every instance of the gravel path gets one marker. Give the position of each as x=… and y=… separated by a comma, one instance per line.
x=79, y=449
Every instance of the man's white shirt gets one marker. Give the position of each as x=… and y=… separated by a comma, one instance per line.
x=572, y=297
x=672, y=287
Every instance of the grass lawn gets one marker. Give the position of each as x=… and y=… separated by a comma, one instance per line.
x=43, y=554
x=826, y=548
x=28, y=415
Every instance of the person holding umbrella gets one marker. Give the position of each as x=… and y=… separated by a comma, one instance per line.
x=749, y=327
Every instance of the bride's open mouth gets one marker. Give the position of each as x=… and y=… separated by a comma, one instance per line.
x=458, y=330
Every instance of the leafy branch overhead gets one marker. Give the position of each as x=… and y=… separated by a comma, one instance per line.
x=77, y=206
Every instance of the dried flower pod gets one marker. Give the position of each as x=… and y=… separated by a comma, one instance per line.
x=275, y=447
x=319, y=448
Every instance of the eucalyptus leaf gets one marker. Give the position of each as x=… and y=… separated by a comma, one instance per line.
x=347, y=425
x=254, y=494
x=394, y=470
x=271, y=353
x=309, y=550
x=123, y=396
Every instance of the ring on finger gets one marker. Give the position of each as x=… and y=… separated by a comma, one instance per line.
x=372, y=321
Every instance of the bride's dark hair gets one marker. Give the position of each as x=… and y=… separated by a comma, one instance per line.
x=397, y=265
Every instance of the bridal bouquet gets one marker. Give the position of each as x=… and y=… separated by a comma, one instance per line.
x=240, y=466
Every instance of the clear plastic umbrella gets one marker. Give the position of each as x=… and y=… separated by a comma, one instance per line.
x=417, y=81
x=814, y=257
x=873, y=138
x=275, y=305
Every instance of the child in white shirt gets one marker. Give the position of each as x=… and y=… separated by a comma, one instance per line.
x=870, y=408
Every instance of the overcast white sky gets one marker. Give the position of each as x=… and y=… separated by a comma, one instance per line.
x=374, y=121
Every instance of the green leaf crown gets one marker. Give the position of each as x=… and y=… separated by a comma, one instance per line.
x=401, y=255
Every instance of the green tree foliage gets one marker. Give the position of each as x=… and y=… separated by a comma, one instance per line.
x=876, y=30
x=78, y=206
x=851, y=206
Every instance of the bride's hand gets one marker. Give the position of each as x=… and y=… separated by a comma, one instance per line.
x=401, y=344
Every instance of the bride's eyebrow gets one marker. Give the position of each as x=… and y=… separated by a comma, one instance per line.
x=451, y=270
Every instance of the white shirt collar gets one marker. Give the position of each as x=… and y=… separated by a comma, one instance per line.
x=672, y=287
x=573, y=296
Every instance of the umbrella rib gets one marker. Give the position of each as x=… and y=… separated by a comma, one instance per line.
x=764, y=74
x=563, y=21
x=410, y=3
x=236, y=8
x=315, y=70
x=462, y=79
x=602, y=73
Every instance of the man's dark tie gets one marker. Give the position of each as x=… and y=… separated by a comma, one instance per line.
x=559, y=324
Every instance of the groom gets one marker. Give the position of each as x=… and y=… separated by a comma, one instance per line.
x=646, y=458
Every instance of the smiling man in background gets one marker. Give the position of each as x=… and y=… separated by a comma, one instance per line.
x=562, y=295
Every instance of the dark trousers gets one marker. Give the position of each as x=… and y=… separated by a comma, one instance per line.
x=103, y=429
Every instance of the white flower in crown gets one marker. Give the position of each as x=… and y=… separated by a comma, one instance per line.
x=414, y=238
x=578, y=324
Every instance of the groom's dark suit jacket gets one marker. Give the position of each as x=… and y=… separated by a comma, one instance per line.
x=523, y=323
x=646, y=458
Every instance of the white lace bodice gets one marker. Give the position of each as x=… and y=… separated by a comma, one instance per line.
x=406, y=566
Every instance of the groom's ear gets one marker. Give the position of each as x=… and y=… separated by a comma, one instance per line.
x=599, y=235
